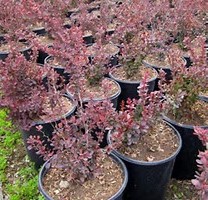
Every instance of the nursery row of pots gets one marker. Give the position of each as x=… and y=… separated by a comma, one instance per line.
x=149, y=180
x=141, y=180
x=104, y=94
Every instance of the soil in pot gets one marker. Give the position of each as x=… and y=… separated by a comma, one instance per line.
x=45, y=39
x=159, y=143
x=107, y=89
x=109, y=181
x=184, y=53
x=197, y=116
x=63, y=106
x=129, y=86
x=150, y=162
x=120, y=74
x=156, y=61
x=111, y=28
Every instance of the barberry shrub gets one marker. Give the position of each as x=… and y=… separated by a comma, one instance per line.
x=137, y=116
x=75, y=148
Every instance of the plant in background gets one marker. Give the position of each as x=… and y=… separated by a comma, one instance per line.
x=94, y=75
x=23, y=92
x=183, y=90
x=149, y=28
x=142, y=30
x=191, y=22
x=201, y=178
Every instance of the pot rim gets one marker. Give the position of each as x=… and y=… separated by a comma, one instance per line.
x=53, y=66
x=167, y=119
x=91, y=55
x=134, y=82
x=151, y=163
x=40, y=31
x=145, y=62
x=74, y=106
x=39, y=28
x=114, y=157
x=101, y=99
x=22, y=50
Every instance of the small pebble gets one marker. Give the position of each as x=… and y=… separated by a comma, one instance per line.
x=64, y=184
x=56, y=191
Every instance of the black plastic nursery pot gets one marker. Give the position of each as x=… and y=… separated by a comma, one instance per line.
x=203, y=97
x=129, y=89
x=93, y=7
x=45, y=133
x=1, y=37
x=89, y=39
x=188, y=60
x=185, y=165
x=71, y=12
x=148, y=180
x=117, y=196
x=41, y=56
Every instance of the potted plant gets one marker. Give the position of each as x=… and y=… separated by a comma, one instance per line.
x=187, y=109
x=80, y=169
x=94, y=85
x=132, y=34
x=12, y=24
x=189, y=28
x=129, y=73
x=27, y=100
x=5, y=48
x=147, y=145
